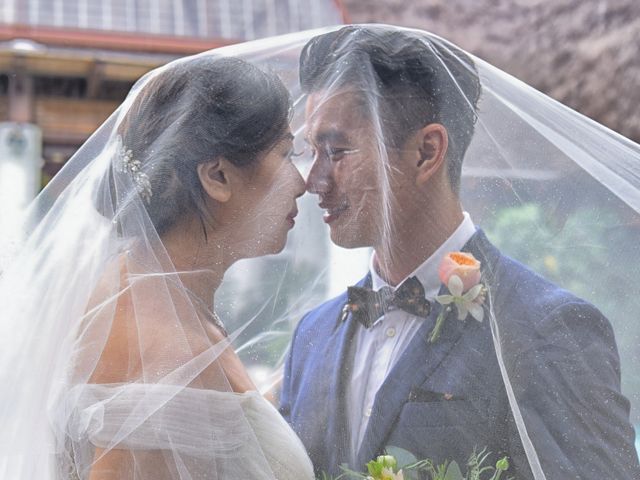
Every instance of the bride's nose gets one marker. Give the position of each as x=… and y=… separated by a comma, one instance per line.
x=319, y=177
x=300, y=186
x=294, y=182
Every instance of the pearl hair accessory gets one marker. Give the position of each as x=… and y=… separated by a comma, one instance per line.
x=125, y=163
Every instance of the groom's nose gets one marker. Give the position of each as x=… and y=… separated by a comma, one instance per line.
x=319, y=178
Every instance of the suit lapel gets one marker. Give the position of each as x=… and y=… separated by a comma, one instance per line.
x=339, y=431
x=420, y=360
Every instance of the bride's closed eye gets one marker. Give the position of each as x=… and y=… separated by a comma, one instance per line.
x=293, y=154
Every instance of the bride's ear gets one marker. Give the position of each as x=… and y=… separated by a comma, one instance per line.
x=214, y=177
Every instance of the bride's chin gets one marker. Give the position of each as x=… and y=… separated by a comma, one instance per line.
x=266, y=246
x=276, y=247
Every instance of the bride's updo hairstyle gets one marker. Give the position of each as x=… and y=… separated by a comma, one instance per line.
x=410, y=80
x=190, y=113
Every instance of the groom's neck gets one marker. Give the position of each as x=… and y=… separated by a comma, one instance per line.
x=404, y=250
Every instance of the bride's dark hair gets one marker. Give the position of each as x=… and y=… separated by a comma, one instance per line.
x=194, y=112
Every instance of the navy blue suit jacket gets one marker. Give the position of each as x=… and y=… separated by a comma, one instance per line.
x=559, y=354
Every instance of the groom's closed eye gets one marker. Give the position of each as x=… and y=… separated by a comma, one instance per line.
x=337, y=154
x=334, y=154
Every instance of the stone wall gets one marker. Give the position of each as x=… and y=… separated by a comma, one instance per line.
x=584, y=53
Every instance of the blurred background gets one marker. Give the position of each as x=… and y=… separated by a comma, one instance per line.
x=65, y=65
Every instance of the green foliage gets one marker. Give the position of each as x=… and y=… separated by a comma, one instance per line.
x=593, y=254
x=592, y=244
x=375, y=467
x=413, y=469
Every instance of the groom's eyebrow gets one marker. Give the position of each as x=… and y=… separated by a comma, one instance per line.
x=328, y=136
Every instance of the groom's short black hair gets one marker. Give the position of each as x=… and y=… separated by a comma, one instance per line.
x=414, y=79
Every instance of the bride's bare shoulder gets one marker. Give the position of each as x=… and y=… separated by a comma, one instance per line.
x=111, y=300
x=152, y=324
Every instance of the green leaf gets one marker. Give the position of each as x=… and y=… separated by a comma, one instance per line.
x=404, y=457
x=374, y=468
x=453, y=472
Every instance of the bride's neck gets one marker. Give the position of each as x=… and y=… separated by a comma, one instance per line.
x=200, y=262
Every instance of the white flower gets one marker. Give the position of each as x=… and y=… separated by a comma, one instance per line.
x=387, y=474
x=469, y=303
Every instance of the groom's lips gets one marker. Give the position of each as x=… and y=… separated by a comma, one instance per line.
x=332, y=213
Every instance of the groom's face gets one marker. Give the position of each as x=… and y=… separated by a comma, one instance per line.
x=347, y=170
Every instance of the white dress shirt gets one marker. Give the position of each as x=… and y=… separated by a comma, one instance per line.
x=378, y=348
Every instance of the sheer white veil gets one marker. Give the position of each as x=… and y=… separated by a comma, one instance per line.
x=93, y=276
x=549, y=187
x=542, y=364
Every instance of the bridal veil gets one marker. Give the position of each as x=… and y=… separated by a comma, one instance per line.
x=550, y=187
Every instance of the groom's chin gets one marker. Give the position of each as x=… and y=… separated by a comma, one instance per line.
x=347, y=238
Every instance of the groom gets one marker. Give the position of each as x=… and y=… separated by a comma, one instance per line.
x=389, y=119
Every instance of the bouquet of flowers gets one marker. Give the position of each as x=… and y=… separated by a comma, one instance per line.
x=385, y=467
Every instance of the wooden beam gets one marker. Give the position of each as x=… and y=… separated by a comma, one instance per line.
x=51, y=66
x=125, y=72
x=109, y=40
x=77, y=66
x=71, y=121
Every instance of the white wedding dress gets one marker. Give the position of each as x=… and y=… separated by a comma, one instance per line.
x=203, y=433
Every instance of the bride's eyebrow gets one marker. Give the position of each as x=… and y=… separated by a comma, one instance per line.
x=287, y=137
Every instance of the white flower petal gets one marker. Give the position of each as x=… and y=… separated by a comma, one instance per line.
x=455, y=285
x=462, y=311
x=444, y=299
x=476, y=311
x=473, y=292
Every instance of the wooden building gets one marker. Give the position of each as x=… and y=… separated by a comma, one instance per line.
x=65, y=65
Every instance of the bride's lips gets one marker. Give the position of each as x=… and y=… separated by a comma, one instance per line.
x=333, y=212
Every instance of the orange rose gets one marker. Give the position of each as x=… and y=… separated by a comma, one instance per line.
x=464, y=266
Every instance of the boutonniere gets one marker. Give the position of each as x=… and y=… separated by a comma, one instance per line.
x=460, y=272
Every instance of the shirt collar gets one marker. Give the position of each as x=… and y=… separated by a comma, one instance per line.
x=427, y=272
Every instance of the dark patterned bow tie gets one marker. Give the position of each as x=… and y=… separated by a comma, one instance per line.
x=367, y=305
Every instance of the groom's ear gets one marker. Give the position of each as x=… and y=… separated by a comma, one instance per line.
x=214, y=178
x=433, y=142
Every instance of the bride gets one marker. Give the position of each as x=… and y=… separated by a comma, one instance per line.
x=135, y=369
